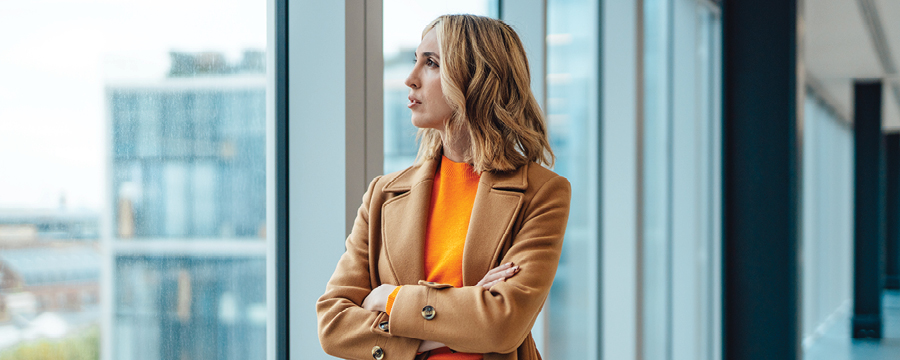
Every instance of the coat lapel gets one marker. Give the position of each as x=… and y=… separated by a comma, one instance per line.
x=497, y=202
x=404, y=219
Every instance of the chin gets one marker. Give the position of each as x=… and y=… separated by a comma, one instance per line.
x=426, y=124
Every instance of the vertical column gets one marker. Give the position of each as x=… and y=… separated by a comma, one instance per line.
x=529, y=18
x=277, y=340
x=761, y=177
x=331, y=98
x=620, y=121
x=892, y=211
x=364, y=110
x=869, y=194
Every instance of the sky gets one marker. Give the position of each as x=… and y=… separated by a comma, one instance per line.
x=57, y=55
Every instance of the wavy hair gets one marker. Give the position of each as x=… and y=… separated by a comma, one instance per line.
x=486, y=81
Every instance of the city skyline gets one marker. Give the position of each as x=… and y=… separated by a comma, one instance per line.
x=52, y=111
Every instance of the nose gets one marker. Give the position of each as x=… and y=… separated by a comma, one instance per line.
x=413, y=79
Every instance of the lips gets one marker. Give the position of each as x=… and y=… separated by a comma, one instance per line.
x=413, y=101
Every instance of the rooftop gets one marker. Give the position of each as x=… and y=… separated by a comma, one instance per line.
x=48, y=266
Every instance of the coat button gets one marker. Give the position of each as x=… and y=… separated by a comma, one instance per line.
x=383, y=326
x=377, y=353
x=428, y=312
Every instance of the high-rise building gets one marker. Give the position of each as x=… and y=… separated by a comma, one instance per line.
x=186, y=243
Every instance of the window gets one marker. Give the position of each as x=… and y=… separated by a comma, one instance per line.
x=680, y=180
x=133, y=201
x=827, y=282
x=573, y=122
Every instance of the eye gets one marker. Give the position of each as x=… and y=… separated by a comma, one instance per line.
x=431, y=63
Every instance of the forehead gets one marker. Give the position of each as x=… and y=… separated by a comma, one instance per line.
x=429, y=43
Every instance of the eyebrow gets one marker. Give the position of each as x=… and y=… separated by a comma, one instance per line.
x=431, y=54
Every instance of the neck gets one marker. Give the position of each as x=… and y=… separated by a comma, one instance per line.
x=455, y=150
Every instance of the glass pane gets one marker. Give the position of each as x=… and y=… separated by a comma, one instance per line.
x=572, y=113
x=133, y=194
x=827, y=215
x=657, y=180
x=404, y=21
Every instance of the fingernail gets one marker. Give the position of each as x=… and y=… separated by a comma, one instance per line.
x=508, y=264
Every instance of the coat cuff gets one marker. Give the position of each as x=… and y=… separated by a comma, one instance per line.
x=399, y=348
x=417, y=311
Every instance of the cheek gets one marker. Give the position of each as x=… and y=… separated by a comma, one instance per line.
x=445, y=110
x=434, y=88
x=437, y=95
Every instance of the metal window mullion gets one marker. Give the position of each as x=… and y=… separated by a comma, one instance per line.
x=278, y=345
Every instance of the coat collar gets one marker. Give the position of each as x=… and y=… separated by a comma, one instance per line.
x=509, y=180
x=404, y=220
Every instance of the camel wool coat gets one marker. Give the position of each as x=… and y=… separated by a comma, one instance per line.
x=518, y=216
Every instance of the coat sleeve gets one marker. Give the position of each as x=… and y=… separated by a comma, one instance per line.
x=475, y=320
x=346, y=330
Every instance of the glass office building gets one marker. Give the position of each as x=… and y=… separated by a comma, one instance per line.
x=188, y=188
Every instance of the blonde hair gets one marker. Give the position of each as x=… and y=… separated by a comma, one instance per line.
x=486, y=81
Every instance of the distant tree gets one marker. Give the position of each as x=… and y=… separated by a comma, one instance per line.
x=83, y=346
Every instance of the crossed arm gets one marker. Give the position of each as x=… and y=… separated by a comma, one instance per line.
x=351, y=311
x=377, y=299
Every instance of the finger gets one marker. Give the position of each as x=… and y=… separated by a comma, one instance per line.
x=509, y=272
x=492, y=283
x=489, y=285
x=513, y=270
x=495, y=283
x=500, y=268
x=491, y=275
x=499, y=275
x=502, y=274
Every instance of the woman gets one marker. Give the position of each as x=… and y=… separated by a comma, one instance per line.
x=453, y=257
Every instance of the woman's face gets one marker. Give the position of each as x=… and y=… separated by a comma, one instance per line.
x=426, y=99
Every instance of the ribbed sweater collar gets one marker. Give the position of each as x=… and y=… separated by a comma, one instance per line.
x=454, y=170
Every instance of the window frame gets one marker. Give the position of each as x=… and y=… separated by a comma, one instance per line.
x=346, y=73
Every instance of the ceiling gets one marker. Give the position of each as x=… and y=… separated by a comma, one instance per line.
x=843, y=40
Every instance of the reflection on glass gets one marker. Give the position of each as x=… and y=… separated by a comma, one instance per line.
x=572, y=80
x=132, y=194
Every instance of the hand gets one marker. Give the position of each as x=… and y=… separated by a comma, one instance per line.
x=498, y=275
x=377, y=299
x=428, y=345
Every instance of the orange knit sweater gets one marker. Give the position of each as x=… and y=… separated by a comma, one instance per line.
x=452, y=198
